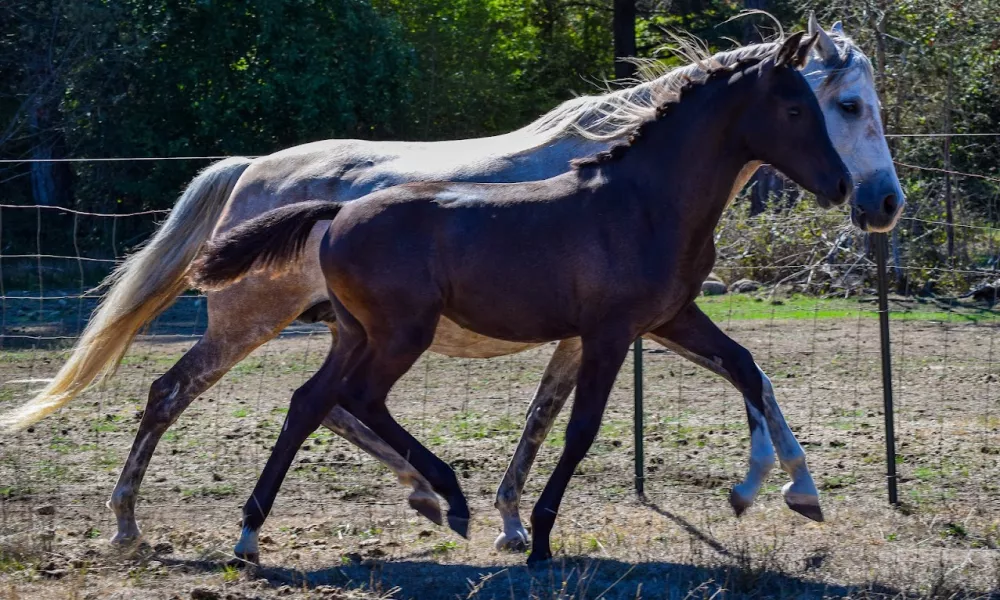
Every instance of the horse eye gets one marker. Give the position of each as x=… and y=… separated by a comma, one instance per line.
x=794, y=111
x=849, y=107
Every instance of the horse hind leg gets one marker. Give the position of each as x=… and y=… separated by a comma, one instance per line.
x=364, y=396
x=309, y=405
x=422, y=498
x=225, y=343
x=555, y=387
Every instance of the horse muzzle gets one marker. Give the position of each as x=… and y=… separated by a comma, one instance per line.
x=878, y=204
x=837, y=193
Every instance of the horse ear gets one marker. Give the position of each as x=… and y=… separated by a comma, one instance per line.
x=813, y=23
x=802, y=54
x=825, y=46
x=838, y=27
x=786, y=54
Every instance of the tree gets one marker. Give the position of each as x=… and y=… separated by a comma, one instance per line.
x=624, y=36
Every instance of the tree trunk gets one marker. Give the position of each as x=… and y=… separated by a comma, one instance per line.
x=623, y=26
x=43, y=182
x=50, y=181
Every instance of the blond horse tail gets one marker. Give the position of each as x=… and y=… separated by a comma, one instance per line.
x=139, y=289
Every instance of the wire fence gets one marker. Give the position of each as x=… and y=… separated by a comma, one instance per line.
x=801, y=298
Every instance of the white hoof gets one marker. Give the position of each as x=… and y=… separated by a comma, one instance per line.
x=805, y=503
x=516, y=541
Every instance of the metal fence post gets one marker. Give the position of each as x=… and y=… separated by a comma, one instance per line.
x=640, y=487
x=881, y=241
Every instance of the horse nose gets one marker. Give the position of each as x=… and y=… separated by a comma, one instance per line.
x=889, y=204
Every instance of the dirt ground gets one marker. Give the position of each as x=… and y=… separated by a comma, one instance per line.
x=341, y=527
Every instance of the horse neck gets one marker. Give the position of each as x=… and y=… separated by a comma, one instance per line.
x=689, y=159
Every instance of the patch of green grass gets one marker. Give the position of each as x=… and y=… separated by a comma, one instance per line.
x=837, y=482
x=213, y=491
x=15, y=491
x=10, y=563
x=107, y=459
x=927, y=473
x=230, y=574
x=17, y=356
x=444, y=547
x=248, y=366
x=741, y=307
x=108, y=424
x=61, y=444
x=240, y=412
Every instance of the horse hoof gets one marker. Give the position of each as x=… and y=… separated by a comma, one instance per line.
x=427, y=505
x=805, y=504
x=126, y=540
x=738, y=502
x=459, y=525
x=516, y=542
x=539, y=558
x=809, y=511
x=245, y=559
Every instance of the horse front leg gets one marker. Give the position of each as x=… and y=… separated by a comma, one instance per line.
x=556, y=385
x=693, y=335
x=602, y=357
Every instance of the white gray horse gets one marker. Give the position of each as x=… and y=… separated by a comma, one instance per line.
x=245, y=315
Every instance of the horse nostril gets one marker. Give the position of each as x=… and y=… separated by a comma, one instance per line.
x=842, y=188
x=890, y=204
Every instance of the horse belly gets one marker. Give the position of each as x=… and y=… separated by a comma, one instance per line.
x=457, y=342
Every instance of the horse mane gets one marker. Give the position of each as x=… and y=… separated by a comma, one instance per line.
x=617, y=113
x=670, y=99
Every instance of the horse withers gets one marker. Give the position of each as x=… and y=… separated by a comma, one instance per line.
x=612, y=250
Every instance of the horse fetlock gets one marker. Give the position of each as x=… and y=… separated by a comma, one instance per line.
x=795, y=465
x=507, y=499
x=128, y=529
x=427, y=504
x=122, y=500
x=248, y=547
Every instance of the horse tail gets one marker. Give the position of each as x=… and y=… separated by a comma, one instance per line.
x=142, y=287
x=272, y=241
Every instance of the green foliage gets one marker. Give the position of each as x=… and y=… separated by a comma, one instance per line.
x=153, y=78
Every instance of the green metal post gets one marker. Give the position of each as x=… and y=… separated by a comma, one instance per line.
x=640, y=487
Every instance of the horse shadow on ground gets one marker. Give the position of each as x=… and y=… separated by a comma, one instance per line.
x=731, y=576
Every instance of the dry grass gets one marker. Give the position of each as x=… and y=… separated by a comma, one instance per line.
x=340, y=528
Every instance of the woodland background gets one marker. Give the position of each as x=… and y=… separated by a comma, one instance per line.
x=171, y=78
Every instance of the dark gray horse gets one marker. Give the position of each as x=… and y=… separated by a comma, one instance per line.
x=615, y=248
